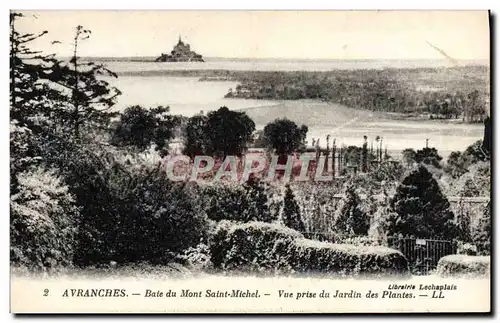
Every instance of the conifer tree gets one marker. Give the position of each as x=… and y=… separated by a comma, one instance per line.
x=90, y=96
x=256, y=200
x=60, y=93
x=421, y=209
x=291, y=211
x=350, y=219
x=29, y=95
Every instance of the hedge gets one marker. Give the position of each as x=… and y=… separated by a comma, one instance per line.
x=268, y=247
x=251, y=246
x=463, y=265
x=317, y=257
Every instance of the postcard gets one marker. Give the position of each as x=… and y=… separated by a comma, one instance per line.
x=246, y=162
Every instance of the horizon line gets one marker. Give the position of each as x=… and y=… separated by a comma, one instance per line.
x=291, y=58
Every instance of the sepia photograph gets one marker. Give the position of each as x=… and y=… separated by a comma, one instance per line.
x=286, y=162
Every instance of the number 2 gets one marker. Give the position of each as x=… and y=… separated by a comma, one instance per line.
x=45, y=292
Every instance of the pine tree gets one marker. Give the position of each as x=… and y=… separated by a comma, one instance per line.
x=422, y=209
x=90, y=96
x=350, y=219
x=30, y=95
x=47, y=94
x=291, y=211
x=256, y=202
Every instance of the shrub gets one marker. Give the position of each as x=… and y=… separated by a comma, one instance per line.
x=466, y=249
x=462, y=265
x=197, y=258
x=154, y=219
x=130, y=210
x=317, y=205
x=291, y=212
x=43, y=221
x=253, y=246
x=361, y=241
x=263, y=247
x=481, y=232
x=309, y=256
x=350, y=219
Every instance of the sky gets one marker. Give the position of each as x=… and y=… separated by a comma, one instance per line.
x=269, y=34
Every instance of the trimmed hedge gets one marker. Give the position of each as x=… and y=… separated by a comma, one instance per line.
x=462, y=265
x=345, y=259
x=252, y=246
x=267, y=247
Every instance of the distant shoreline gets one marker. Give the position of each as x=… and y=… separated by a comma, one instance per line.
x=151, y=59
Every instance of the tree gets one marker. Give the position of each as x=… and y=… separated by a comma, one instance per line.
x=469, y=189
x=481, y=233
x=421, y=209
x=487, y=136
x=194, y=136
x=30, y=94
x=90, y=97
x=428, y=156
x=284, y=136
x=139, y=128
x=227, y=132
x=62, y=94
x=291, y=212
x=350, y=219
x=457, y=164
x=474, y=107
x=256, y=202
x=409, y=156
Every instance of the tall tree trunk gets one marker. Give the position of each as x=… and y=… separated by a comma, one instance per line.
x=76, y=114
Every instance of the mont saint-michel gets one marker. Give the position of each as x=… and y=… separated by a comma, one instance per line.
x=181, y=53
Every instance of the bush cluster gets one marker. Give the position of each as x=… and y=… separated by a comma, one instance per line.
x=264, y=247
x=43, y=221
x=251, y=247
x=462, y=265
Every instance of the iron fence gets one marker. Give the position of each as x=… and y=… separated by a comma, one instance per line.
x=423, y=254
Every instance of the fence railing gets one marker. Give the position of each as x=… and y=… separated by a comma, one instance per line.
x=423, y=254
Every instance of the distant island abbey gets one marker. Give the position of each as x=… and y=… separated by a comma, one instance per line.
x=181, y=53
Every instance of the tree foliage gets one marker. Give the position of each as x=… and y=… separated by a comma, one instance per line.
x=459, y=163
x=284, y=136
x=350, y=219
x=291, y=212
x=376, y=90
x=429, y=156
x=63, y=94
x=195, y=142
x=481, y=234
x=140, y=128
x=421, y=209
x=43, y=221
x=221, y=133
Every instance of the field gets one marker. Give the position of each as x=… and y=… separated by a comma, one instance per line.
x=349, y=125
